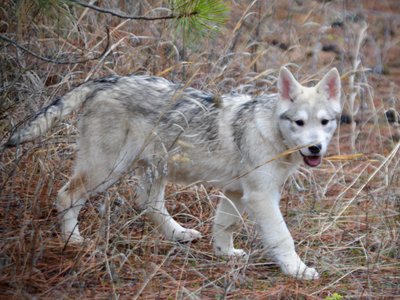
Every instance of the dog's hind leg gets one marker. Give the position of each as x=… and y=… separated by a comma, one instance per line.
x=227, y=219
x=151, y=198
x=70, y=200
x=99, y=164
x=90, y=178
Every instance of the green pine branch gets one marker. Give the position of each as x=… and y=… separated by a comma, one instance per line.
x=197, y=17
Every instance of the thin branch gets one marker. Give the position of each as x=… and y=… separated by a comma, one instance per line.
x=130, y=17
x=55, y=61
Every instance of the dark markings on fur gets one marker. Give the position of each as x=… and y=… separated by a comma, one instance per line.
x=181, y=111
x=196, y=94
x=151, y=78
x=56, y=103
x=207, y=117
x=246, y=111
x=15, y=139
x=212, y=128
x=102, y=84
x=284, y=116
x=193, y=111
x=109, y=79
x=142, y=109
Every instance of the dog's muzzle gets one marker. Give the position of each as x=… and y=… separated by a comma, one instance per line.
x=314, y=159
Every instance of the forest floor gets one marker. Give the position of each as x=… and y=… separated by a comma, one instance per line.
x=344, y=218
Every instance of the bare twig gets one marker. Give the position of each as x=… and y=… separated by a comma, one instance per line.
x=153, y=273
x=188, y=293
x=53, y=60
x=130, y=17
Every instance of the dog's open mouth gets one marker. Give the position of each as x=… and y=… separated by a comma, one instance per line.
x=312, y=160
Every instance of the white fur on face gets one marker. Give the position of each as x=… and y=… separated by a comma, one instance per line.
x=308, y=114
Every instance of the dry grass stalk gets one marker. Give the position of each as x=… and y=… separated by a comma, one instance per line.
x=345, y=214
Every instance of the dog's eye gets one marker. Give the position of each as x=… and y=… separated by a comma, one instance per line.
x=299, y=122
x=324, y=121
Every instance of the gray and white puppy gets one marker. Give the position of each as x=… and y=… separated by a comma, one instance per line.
x=171, y=133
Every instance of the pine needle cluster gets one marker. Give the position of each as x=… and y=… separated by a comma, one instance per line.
x=199, y=17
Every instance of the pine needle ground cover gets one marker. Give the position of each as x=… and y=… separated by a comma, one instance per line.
x=344, y=215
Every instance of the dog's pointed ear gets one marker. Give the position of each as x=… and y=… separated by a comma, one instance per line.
x=330, y=85
x=287, y=84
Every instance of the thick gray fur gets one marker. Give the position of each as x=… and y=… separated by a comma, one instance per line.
x=161, y=131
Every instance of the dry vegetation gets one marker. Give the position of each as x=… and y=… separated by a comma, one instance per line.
x=344, y=215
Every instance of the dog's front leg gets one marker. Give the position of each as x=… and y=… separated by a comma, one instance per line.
x=227, y=219
x=264, y=207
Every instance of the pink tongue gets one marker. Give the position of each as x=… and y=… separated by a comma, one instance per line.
x=312, y=161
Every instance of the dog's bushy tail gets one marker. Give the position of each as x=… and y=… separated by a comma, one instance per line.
x=49, y=116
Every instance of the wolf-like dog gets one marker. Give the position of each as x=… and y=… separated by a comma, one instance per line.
x=163, y=132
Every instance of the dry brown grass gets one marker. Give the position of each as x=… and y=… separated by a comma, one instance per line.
x=345, y=220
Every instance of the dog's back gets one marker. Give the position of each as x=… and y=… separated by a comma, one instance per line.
x=163, y=131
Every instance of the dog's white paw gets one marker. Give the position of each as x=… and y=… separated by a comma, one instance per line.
x=300, y=271
x=186, y=235
x=309, y=274
x=219, y=251
x=238, y=253
x=72, y=238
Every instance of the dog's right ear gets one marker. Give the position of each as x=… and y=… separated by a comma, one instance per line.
x=287, y=85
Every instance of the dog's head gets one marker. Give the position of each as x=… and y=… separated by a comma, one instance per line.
x=307, y=115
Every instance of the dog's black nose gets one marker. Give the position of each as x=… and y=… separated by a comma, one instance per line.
x=315, y=149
